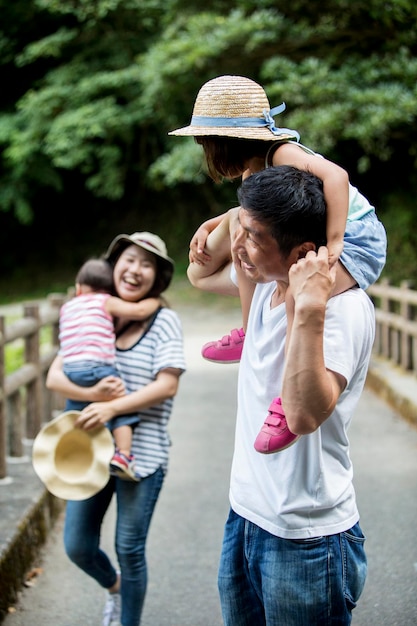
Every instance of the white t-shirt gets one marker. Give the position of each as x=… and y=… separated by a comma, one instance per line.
x=306, y=490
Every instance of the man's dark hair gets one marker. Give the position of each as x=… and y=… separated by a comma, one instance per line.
x=290, y=202
x=97, y=274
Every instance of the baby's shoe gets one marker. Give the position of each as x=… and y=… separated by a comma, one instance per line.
x=274, y=434
x=225, y=350
x=123, y=466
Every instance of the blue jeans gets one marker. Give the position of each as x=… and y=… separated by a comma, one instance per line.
x=269, y=581
x=87, y=375
x=83, y=520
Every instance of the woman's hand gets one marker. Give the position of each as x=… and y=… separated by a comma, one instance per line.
x=95, y=414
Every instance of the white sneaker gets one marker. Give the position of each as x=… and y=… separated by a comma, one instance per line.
x=112, y=610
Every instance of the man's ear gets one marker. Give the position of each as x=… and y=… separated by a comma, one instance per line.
x=304, y=248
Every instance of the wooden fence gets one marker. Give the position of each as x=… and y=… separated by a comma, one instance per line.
x=396, y=323
x=25, y=403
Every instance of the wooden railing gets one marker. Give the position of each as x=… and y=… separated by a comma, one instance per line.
x=25, y=403
x=396, y=323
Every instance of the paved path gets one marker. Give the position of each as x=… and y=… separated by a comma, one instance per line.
x=185, y=537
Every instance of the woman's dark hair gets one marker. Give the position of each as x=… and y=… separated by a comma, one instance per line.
x=163, y=270
x=290, y=202
x=226, y=156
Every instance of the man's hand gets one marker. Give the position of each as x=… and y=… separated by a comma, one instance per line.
x=311, y=279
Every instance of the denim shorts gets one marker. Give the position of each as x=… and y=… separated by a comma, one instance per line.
x=270, y=581
x=87, y=375
x=365, y=249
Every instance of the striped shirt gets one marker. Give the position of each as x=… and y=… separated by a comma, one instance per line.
x=86, y=331
x=159, y=348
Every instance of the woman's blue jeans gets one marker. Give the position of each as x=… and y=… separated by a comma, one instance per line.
x=83, y=520
x=269, y=581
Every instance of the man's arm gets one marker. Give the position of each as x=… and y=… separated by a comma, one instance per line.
x=309, y=391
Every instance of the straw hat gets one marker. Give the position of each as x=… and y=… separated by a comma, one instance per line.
x=234, y=106
x=72, y=463
x=149, y=242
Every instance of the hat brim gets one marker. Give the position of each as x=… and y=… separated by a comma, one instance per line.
x=72, y=463
x=263, y=134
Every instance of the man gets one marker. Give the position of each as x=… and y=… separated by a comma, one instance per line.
x=293, y=550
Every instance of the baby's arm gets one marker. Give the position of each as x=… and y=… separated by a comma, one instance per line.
x=132, y=310
x=335, y=186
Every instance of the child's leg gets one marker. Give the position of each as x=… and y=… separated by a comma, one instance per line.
x=122, y=436
x=123, y=462
x=275, y=434
x=228, y=349
x=344, y=280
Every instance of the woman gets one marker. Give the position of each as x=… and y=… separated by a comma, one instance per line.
x=150, y=359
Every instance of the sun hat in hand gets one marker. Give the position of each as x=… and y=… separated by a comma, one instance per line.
x=72, y=463
x=235, y=106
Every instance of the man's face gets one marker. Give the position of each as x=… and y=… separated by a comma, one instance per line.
x=258, y=251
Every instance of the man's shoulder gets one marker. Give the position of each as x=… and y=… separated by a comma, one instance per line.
x=353, y=303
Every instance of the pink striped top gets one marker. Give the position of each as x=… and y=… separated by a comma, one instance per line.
x=86, y=330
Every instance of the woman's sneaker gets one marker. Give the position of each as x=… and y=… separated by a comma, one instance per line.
x=228, y=349
x=112, y=610
x=123, y=466
x=274, y=434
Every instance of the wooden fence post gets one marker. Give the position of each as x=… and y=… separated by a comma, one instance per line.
x=406, y=360
x=34, y=416
x=16, y=430
x=55, y=401
x=385, y=331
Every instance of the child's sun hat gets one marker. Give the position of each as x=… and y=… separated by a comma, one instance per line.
x=234, y=106
x=72, y=463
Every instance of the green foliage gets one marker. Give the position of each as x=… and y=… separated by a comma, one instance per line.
x=94, y=86
x=400, y=221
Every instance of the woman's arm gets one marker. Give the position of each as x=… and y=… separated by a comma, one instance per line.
x=106, y=389
x=163, y=387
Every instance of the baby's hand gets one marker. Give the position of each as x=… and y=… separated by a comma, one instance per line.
x=197, y=245
x=335, y=250
x=109, y=388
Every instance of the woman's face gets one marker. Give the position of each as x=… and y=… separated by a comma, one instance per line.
x=134, y=273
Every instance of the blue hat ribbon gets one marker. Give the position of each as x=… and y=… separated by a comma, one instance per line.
x=250, y=122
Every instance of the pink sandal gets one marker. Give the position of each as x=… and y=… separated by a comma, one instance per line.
x=225, y=350
x=274, y=434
